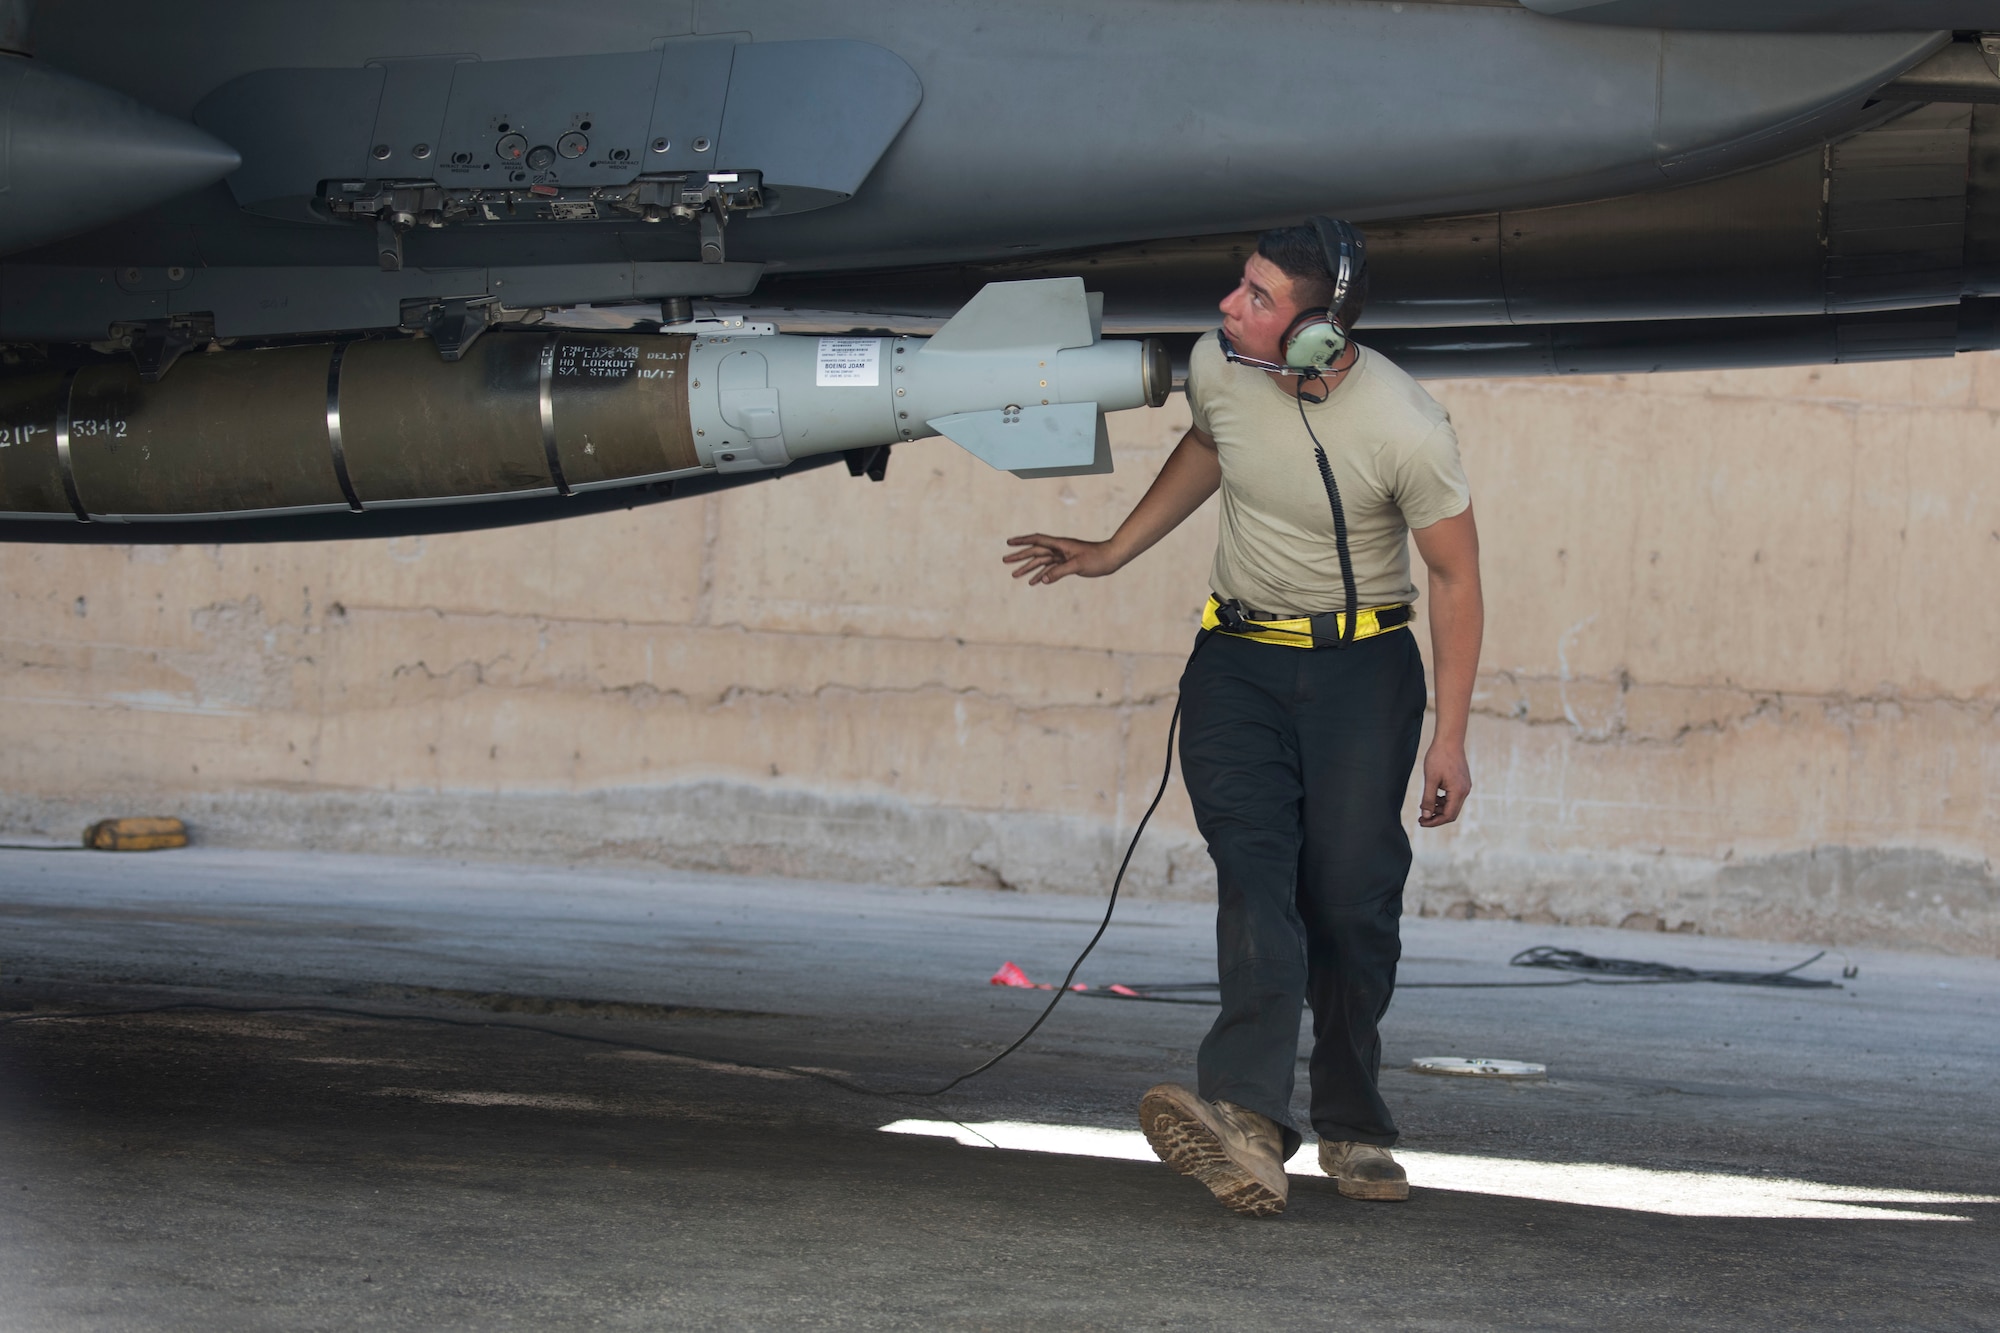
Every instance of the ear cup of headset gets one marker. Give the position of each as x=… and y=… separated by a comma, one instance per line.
x=1313, y=340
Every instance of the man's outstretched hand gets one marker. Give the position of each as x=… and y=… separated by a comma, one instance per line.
x=1190, y=476
x=1050, y=558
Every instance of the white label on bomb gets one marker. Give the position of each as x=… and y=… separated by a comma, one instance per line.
x=854, y=363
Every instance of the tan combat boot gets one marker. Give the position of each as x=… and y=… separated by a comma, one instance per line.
x=1363, y=1171
x=1237, y=1153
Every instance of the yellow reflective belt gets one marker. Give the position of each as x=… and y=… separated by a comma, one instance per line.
x=1298, y=633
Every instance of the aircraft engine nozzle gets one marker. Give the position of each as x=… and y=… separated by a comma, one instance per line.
x=1019, y=378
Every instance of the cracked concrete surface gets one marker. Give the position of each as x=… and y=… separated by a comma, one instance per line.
x=1739, y=673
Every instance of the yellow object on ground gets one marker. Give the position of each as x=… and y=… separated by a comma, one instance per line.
x=135, y=835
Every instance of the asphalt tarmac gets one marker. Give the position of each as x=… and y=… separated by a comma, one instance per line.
x=466, y=1096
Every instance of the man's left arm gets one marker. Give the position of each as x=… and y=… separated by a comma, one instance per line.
x=1450, y=550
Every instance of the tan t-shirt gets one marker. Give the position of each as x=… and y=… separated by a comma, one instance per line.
x=1394, y=457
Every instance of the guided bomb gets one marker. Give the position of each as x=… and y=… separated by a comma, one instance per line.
x=1020, y=378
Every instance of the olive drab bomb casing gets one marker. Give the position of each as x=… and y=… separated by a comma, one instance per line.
x=345, y=426
x=1020, y=378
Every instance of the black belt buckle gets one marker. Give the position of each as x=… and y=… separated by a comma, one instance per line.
x=1326, y=628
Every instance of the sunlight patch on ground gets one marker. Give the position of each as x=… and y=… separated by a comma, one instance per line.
x=1590, y=1184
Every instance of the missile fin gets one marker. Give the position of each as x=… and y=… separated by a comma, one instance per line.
x=1051, y=313
x=1059, y=439
x=1099, y=463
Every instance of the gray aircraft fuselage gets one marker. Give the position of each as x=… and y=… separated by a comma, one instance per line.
x=1543, y=191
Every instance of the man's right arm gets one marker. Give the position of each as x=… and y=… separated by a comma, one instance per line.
x=1191, y=475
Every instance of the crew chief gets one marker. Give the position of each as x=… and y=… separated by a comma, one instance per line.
x=1303, y=706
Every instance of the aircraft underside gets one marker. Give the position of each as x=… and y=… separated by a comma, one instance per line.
x=359, y=269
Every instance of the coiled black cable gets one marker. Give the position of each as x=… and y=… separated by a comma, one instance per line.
x=1632, y=969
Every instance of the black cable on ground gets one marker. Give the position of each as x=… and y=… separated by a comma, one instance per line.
x=1572, y=960
x=1147, y=996
x=1110, y=906
x=1602, y=972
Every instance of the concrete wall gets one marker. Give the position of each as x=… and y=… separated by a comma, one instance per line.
x=1742, y=671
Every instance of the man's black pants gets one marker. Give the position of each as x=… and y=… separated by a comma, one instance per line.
x=1297, y=761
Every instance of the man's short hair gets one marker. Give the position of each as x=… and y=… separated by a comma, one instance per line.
x=1297, y=252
